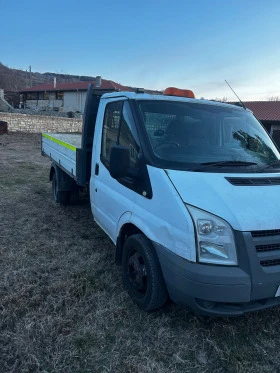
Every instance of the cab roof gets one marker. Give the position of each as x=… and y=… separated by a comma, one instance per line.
x=147, y=96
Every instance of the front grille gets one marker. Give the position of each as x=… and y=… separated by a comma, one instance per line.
x=273, y=232
x=269, y=263
x=267, y=245
x=271, y=247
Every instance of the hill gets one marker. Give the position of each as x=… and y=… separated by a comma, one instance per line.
x=16, y=80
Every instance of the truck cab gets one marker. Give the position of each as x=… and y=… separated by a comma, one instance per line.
x=188, y=191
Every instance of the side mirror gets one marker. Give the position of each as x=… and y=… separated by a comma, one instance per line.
x=119, y=161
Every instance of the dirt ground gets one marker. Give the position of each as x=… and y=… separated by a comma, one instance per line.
x=63, y=307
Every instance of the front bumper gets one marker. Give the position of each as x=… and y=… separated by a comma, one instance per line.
x=223, y=290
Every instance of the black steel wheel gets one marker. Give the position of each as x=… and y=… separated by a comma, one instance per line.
x=142, y=274
x=58, y=196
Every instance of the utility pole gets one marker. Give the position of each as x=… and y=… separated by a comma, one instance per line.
x=30, y=76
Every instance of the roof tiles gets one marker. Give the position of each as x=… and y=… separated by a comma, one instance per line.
x=106, y=84
x=265, y=110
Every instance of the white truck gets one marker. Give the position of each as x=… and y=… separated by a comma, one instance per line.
x=188, y=191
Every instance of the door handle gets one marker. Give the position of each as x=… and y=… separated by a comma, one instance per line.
x=96, y=169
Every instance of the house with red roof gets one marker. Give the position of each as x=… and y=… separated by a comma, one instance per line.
x=65, y=97
x=268, y=113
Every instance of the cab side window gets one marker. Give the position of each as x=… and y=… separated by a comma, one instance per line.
x=118, y=129
x=111, y=125
x=126, y=136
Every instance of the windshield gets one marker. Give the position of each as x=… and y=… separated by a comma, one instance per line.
x=200, y=137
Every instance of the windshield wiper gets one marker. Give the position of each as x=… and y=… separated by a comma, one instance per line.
x=229, y=163
x=225, y=164
x=271, y=165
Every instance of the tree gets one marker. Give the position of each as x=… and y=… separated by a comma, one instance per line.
x=273, y=98
x=224, y=99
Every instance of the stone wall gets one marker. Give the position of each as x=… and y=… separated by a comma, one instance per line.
x=40, y=123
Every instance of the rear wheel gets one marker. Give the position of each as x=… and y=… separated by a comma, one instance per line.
x=57, y=195
x=142, y=274
x=74, y=194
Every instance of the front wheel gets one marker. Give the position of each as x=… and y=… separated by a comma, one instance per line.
x=142, y=274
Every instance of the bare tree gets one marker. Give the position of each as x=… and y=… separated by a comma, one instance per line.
x=224, y=99
x=273, y=98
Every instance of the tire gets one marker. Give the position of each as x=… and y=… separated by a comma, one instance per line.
x=142, y=274
x=74, y=194
x=58, y=196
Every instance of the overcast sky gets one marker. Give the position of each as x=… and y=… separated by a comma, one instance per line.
x=192, y=44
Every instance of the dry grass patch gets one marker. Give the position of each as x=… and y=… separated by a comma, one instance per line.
x=63, y=307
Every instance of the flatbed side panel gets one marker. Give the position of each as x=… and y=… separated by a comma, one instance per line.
x=61, y=152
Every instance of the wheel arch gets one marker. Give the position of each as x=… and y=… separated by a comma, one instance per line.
x=65, y=182
x=52, y=171
x=127, y=230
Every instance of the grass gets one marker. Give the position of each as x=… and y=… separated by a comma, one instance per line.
x=63, y=307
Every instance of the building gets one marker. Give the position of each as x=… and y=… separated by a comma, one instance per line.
x=64, y=97
x=4, y=105
x=268, y=113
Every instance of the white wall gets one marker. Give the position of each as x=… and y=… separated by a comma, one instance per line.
x=74, y=101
